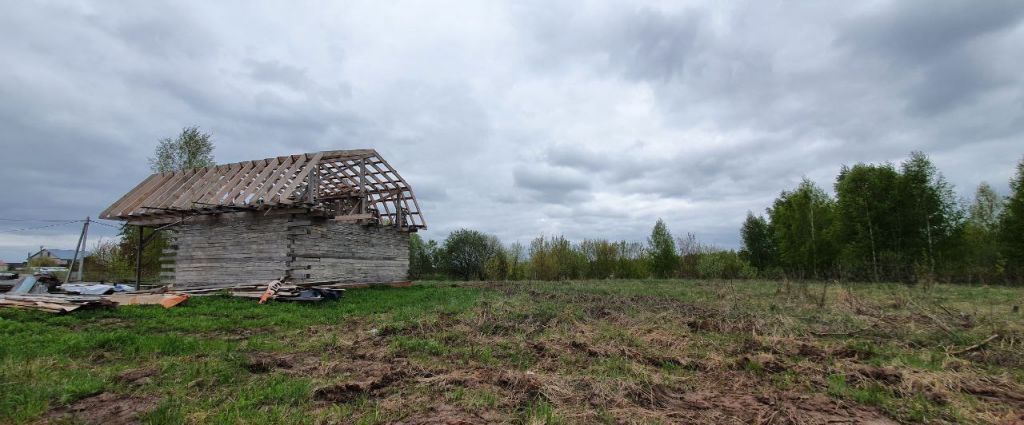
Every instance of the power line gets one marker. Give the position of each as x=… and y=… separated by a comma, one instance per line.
x=42, y=227
x=105, y=224
x=36, y=220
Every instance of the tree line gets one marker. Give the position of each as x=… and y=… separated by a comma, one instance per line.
x=472, y=255
x=891, y=223
x=885, y=223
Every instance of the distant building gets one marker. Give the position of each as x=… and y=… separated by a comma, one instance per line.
x=3, y=266
x=63, y=257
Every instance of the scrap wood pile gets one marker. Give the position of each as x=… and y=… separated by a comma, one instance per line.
x=273, y=290
x=54, y=303
x=63, y=303
x=280, y=290
x=44, y=293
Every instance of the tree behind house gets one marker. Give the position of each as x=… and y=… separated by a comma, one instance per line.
x=192, y=148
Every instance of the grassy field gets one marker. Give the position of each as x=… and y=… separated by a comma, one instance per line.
x=556, y=352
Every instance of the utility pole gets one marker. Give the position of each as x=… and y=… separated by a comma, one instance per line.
x=79, y=248
x=85, y=237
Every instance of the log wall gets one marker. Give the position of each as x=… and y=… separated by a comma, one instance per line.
x=238, y=248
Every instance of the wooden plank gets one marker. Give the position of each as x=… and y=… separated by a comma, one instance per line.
x=245, y=181
x=216, y=184
x=353, y=217
x=166, y=187
x=106, y=212
x=418, y=214
x=272, y=195
x=260, y=179
x=228, y=184
x=172, y=195
x=276, y=175
x=185, y=200
x=133, y=203
x=312, y=164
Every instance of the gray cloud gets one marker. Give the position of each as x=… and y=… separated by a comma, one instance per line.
x=589, y=120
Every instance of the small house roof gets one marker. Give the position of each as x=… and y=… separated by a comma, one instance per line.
x=62, y=254
x=281, y=182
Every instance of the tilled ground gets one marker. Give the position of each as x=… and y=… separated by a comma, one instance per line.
x=564, y=353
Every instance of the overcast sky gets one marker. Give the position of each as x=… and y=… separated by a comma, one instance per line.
x=588, y=119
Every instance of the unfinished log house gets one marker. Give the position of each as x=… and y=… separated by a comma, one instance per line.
x=334, y=216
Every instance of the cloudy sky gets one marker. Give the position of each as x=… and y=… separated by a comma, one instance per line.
x=588, y=119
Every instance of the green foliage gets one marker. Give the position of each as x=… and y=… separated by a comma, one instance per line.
x=191, y=149
x=421, y=257
x=981, y=257
x=555, y=258
x=603, y=257
x=758, y=242
x=43, y=262
x=106, y=262
x=1011, y=229
x=724, y=265
x=867, y=225
x=885, y=224
x=465, y=253
x=662, y=249
x=151, y=253
x=802, y=221
x=929, y=216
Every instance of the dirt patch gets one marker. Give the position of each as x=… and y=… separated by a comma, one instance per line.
x=104, y=408
x=887, y=375
x=444, y=415
x=773, y=407
x=369, y=379
x=140, y=376
x=266, y=363
x=242, y=334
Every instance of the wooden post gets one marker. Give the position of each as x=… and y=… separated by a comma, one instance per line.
x=362, y=186
x=81, y=265
x=313, y=186
x=138, y=259
x=71, y=265
x=398, y=212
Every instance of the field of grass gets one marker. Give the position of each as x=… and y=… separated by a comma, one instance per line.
x=554, y=352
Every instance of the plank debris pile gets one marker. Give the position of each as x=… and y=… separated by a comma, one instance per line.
x=54, y=303
x=42, y=293
x=280, y=290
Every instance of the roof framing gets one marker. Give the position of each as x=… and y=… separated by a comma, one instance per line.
x=309, y=180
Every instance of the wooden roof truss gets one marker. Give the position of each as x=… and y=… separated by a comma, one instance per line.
x=318, y=182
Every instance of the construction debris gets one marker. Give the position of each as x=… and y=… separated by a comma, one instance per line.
x=36, y=284
x=63, y=303
x=44, y=292
x=96, y=288
x=54, y=303
x=273, y=290
x=166, y=300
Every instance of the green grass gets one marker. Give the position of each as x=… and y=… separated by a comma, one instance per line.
x=470, y=345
